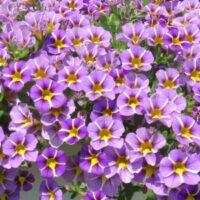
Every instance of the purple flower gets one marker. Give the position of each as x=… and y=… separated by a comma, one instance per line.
x=130, y=102
x=57, y=42
x=105, y=131
x=47, y=94
x=98, y=83
x=7, y=177
x=19, y=147
x=179, y=168
x=72, y=75
x=192, y=34
x=119, y=162
x=72, y=5
x=72, y=130
x=105, y=107
x=78, y=20
x=136, y=58
x=15, y=75
x=98, y=195
x=24, y=180
x=133, y=34
x=97, y=36
x=196, y=90
x=190, y=192
x=144, y=144
x=92, y=161
x=109, y=186
x=51, y=162
x=158, y=108
x=186, y=129
x=49, y=189
x=169, y=79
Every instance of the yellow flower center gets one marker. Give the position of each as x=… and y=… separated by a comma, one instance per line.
x=105, y=134
x=101, y=10
x=136, y=62
x=135, y=38
x=72, y=78
x=17, y=76
x=2, y=155
x=185, y=132
x=107, y=66
x=107, y=112
x=22, y=180
x=156, y=113
x=104, y=179
x=122, y=162
x=50, y=27
x=133, y=102
x=150, y=170
x=78, y=170
x=26, y=121
x=176, y=41
x=2, y=178
x=2, y=61
x=20, y=149
x=189, y=38
x=51, y=196
x=51, y=163
x=95, y=39
x=97, y=88
x=179, y=168
x=168, y=84
x=195, y=75
x=4, y=196
x=73, y=132
x=119, y=81
x=56, y=111
x=47, y=94
x=40, y=74
x=89, y=58
x=93, y=159
x=77, y=41
x=72, y=5
x=158, y=40
x=190, y=197
x=58, y=43
x=146, y=147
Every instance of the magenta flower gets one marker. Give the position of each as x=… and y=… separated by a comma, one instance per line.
x=15, y=75
x=47, y=94
x=51, y=162
x=136, y=58
x=97, y=84
x=105, y=131
x=20, y=147
x=179, y=168
x=144, y=144
x=72, y=130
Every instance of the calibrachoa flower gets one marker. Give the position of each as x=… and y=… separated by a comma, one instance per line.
x=136, y=58
x=20, y=147
x=51, y=162
x=92, y=161
x=72, y=130
x=186, y=129
x=24, y=180
x=15, y=75
x=144, y=144
x=130, y=102
x=47, y=94
x=98, y=83
x=179, y=168
x=49, y=189
x=98, y=195
x=105, y=131
x=119, y=162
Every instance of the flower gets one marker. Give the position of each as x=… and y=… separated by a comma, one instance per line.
x=105, y=131
x=49, y=189
x=72, y=130
x=136, y=58
x=186, y=129
x=15, y=75
x=179, y=168
x=51, y=162
x=92, y=161
x=144, y=144
x=98, y=83
x=24, y=180
x=47, y=94
x=95, y=195
x=20, y=146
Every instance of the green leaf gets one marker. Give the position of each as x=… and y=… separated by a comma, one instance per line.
x=151, y=196
x=146, y=2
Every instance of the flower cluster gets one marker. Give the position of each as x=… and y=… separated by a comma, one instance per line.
x=102, y=93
